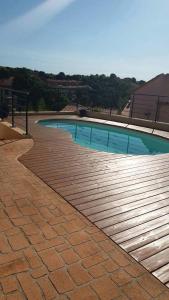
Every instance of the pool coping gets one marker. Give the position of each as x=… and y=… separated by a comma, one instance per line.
x=155, y=132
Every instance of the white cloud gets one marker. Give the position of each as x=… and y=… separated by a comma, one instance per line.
x=34, y=19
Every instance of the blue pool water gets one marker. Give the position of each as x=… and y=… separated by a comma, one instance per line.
x=110, y=138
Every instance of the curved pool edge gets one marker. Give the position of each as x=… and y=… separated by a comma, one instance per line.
x=164, y=135
x=161, y=133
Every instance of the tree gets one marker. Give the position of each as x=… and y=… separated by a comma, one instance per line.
x=61, y=102
x=54, y=100
x=106, y=91
x=61, y=76
x=4, y=73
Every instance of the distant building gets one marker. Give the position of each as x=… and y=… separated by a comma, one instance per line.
x=69, y=87
x=7, y=83
x=66, y=84
x=151, y=100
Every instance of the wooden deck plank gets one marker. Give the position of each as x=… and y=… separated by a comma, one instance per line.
x=131, y=206
x=146, y=238
x=99, y=205
x=135, y=221
x=140, y=229
x=129, y=214
x=115, y=189
x=93, y=172
x=151, y=248
x=156, y=261
x=162, y=274
x=118, y=165
x=119, y=175
x=101, y=178
x=112, y=185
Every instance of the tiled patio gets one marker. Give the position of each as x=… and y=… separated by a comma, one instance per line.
x=48, y=250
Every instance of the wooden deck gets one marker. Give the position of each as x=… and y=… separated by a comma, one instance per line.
x=125, y=196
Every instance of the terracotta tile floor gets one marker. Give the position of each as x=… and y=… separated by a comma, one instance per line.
x=4, y=142
x=50, y=251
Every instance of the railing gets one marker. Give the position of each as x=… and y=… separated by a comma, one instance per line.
x=150, y=107
x=16, y=102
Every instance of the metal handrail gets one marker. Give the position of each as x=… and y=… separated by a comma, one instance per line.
x=14, y=93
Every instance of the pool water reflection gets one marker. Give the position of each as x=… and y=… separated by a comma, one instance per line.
x=110, y=138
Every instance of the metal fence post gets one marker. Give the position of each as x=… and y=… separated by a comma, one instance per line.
x=26, y=116
x=12, y=103
x=91, y=134
x=157, y=107
x=132, y=106
x=1, y=95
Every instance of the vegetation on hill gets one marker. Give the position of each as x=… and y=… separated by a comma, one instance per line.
x=104, y=91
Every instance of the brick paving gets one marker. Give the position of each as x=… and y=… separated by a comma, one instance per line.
x=4, y=142
x=48, y=250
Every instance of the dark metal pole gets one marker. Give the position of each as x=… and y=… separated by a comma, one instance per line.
x=26, y=116
x=13, y=117
x=1, y=95
x=91, y=135
x=157, y=106
x=77, y=107
x=75, y=131
x=128, y=144
x=132, y=106
x=108, y=137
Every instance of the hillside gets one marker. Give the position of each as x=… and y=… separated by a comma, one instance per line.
x=89, y=90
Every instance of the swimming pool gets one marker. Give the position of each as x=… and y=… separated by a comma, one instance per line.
x=110, y=138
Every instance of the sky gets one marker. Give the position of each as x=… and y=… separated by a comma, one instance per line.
x=127, y=37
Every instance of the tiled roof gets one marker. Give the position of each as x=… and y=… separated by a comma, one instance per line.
x=158, y=85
